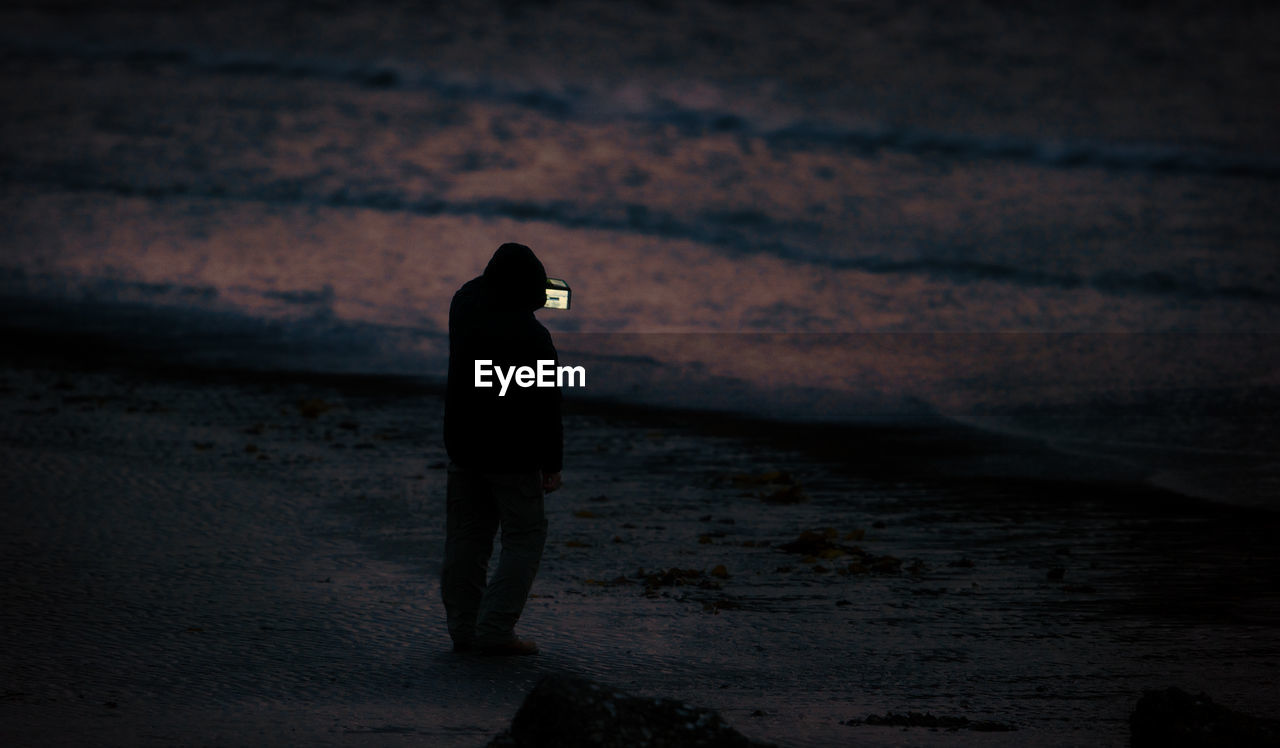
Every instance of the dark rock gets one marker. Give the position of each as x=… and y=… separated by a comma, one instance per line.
x=568, y=712
x=1173, y=717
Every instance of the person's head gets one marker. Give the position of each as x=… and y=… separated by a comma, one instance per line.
x=518, y=275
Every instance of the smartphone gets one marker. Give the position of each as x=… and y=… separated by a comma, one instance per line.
x=557, y=294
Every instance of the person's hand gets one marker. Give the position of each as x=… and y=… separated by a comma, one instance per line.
x=550, y=482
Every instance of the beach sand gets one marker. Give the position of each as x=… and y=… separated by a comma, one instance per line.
x=235, y=558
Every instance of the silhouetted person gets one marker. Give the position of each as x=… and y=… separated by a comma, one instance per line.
x=504, y=451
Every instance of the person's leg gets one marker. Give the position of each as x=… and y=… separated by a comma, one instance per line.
x=471, y=520
x=524, y=532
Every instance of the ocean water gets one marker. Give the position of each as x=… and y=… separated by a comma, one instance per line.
x=1060, y=224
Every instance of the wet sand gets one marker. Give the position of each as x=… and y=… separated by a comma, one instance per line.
x=219, y=557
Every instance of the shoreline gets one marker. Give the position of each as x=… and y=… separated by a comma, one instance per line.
x=881, y=445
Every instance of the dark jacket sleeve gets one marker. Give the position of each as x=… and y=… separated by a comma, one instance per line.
x=551, y=454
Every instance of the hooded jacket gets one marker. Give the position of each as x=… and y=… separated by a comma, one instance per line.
x=491, y=317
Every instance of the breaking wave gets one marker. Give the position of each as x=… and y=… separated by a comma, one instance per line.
x=734, y=232
x=578, y=103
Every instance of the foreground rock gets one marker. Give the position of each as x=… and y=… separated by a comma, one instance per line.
x=575, y=713
x=1173, y=717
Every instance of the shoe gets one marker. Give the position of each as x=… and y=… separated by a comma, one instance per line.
x=513, y=648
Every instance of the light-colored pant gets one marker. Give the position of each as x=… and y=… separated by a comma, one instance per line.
x=478, y=504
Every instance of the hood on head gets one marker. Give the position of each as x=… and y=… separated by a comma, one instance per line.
x=518, y=275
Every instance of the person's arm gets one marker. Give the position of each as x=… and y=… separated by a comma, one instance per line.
x=552, y=444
